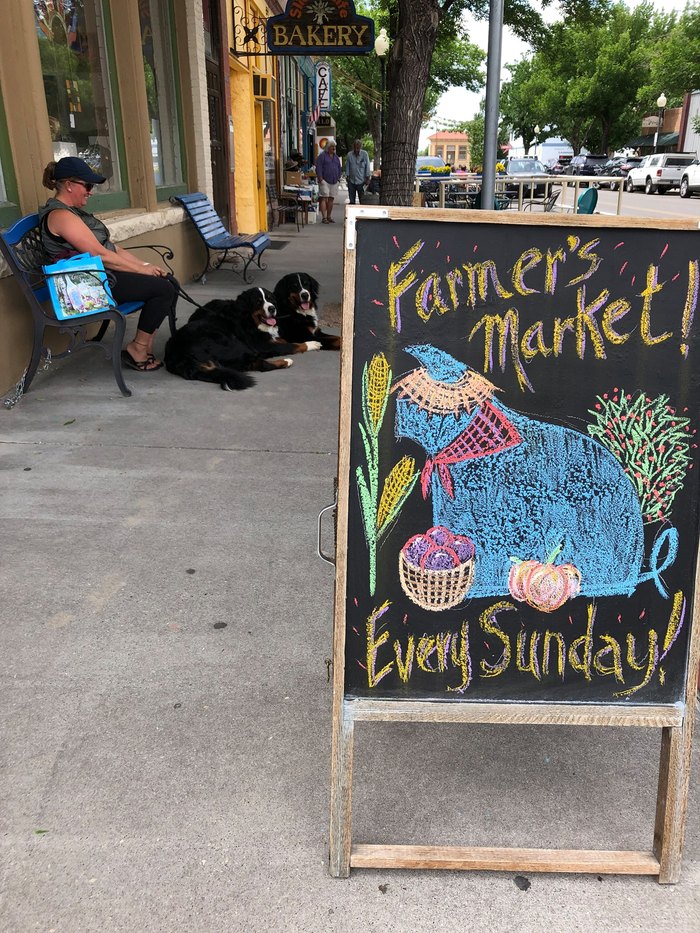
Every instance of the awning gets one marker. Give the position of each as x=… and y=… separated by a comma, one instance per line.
x=668, y=139
x=640, y=141
x=647, y=142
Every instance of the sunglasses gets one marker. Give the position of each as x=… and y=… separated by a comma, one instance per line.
x=86, y=184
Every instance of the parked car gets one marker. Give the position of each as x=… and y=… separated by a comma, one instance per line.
x=659, y=172
x=690, y=180
x=526, y=167
x=425, y=163
x=608, y=168
x=590, y=165
x=558, y=167
x=619, y=167
x=628, y=163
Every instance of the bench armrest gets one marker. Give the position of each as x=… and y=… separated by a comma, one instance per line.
x=164, y=252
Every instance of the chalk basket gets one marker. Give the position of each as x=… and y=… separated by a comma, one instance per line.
x=435, y=590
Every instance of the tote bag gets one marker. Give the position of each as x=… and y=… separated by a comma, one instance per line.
x=78, y=286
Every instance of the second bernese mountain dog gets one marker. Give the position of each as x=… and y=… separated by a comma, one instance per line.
x=296, y=295
x=224, y=340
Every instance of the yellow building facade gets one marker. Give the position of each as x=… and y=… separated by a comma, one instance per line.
x=254, y=114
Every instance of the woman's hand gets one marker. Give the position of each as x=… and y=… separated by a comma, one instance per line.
x=149, y=269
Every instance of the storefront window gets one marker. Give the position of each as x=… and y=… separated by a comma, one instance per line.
x=73, y=51
x=9, y=208
x=156, y=38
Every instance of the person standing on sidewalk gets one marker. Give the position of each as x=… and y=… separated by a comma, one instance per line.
x=357, y=171
x=328, y=175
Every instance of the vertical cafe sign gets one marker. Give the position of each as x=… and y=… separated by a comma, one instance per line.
x=323, y=86
x=317, y=27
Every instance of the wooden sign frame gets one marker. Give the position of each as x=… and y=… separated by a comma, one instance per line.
x=675, y=720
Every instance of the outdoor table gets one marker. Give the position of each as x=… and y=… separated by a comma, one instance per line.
x=305, y=195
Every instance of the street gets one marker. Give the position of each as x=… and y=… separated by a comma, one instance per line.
x=638, y=204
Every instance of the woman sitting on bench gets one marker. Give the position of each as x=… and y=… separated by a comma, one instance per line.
x=67, y=228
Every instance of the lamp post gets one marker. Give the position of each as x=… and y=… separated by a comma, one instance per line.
x=661, y=104
x=381, y=47
x=537, y=136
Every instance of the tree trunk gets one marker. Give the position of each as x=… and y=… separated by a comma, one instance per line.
x=407, y=80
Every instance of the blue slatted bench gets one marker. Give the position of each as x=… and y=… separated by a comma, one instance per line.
x=217, y=239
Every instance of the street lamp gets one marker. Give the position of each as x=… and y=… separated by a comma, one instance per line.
x=661, y=104
x=537, y=135
x=381, y=47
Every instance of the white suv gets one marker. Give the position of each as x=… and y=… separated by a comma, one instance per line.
x=690, y=179
x=659, y=172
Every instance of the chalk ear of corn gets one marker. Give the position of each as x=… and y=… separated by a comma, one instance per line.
x=397, y=485
x=378, y=379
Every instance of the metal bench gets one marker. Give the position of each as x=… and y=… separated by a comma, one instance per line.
x=217, y=239
x=23, y=251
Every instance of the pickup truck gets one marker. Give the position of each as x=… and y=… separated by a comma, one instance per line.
x=659, y=172
x=690, y=179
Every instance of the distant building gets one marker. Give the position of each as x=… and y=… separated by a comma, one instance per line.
x=661, y=137
x=452, y=147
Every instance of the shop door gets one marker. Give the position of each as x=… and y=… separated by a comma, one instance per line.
x=261, y=159
x=219, y=162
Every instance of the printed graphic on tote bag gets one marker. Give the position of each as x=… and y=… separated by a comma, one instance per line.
x=78, y=286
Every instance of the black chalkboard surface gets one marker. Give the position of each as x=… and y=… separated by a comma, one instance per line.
x=522, y=499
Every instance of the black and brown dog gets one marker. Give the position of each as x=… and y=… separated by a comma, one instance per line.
x=296, y=295
x=224, y=340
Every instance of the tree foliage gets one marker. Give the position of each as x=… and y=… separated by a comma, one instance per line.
x=588, y=79
x=455, y=62
x=674, y=65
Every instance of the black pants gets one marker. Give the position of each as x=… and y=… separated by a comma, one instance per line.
x=158, y=293
x=354, y=189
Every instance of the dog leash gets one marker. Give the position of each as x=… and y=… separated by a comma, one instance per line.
x=181, y=293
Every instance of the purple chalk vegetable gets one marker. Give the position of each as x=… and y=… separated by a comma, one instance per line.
x=440, y=558
x=440, y=535
x=415, y=548
x=463, y=548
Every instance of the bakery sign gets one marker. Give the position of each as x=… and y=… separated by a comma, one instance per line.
x=312, y=27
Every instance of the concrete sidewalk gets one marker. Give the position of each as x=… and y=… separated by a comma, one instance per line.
x=165, y=706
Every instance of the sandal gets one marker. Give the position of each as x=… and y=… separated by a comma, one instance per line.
x=325, y=221
x=141, y=366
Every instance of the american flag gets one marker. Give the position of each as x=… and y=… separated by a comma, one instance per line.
x=315, y=114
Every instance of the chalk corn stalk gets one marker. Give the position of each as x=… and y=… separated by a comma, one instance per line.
x=397, y=486
x=379, y=513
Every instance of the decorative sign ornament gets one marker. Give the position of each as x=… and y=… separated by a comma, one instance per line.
x=248, y=33
x=313, y=27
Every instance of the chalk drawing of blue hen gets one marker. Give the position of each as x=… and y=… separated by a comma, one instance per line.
x=522, y=488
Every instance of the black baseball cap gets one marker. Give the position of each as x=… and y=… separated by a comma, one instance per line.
x=73, y=167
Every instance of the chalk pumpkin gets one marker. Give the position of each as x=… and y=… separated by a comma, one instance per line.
x=545, y=587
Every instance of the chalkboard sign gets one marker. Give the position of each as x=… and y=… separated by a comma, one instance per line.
x=519, y=501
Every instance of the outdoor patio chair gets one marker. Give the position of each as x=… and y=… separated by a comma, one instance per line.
x=500, y=202
x=547, y=204
x=587, y=201
x=23, y=251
